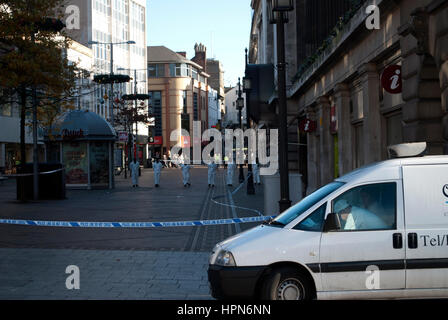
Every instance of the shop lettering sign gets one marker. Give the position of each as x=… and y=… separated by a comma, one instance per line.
x=72, y=134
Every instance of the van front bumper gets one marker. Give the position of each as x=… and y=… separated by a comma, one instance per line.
x=233, y=282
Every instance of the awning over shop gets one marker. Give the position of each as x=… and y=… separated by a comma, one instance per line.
x=81, y=125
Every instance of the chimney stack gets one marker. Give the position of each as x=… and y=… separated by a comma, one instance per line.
x=200, y=56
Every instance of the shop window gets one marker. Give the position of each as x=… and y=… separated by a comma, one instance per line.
x=75, y=161
x=99, y=163
x=358, y=145
x=394, y=128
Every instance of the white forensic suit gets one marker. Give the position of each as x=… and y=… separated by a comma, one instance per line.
x=358, y=218
x=212, y=173
x=230, y=171
x=185, y=174
x=256, y=173
x=157, y=166
x=134, y=166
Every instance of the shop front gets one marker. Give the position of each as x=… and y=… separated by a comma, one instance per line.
x=83, y=141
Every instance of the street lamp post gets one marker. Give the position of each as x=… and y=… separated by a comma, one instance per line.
x=247, y=87
x=35, y=147
x=240, y=105
x=279, y=11
x=111, y=102
x=135, y=108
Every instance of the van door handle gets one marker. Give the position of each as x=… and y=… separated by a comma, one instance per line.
x=412, y=241
x=397, y=240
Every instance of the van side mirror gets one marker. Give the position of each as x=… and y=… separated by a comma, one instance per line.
x=332, y=223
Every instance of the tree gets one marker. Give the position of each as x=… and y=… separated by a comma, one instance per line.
x=32, y=56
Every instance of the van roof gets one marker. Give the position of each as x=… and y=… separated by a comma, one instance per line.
x=389, y=169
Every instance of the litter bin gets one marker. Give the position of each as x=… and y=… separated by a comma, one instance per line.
x=51, y=182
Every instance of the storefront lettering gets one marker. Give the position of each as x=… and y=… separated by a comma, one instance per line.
x=72, y=134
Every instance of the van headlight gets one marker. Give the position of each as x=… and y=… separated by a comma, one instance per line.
x=225, y=259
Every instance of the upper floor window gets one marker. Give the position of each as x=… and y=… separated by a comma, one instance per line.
x=194, y=73
x=156, y=70
x=179, y=70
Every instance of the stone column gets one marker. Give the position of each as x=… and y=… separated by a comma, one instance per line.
x=312, y=155
x=422, y=112
x=371, y=110
x=342, y=103
x=438, y=47
x=444, y=88
x=293, y=135
x=325, y=144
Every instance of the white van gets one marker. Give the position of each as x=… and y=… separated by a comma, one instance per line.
x=378, y=232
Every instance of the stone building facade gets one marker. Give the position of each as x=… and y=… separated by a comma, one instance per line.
x=338, y=85
x=342, y=92
x=307, y=27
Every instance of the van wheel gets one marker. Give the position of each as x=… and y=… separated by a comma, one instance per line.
x=286, y=284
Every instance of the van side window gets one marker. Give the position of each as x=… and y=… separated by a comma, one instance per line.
x=314, y=221
x=367, y=207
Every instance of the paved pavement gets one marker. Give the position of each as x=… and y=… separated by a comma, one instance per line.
x=170, y=202
x=168, y=263
x=103, y=274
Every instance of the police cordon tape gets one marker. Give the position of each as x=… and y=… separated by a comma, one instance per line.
x=84, y=224
x=30, y=174
x=233, y=193
x=78, y=224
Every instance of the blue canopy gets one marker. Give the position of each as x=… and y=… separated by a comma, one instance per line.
x=81, y=125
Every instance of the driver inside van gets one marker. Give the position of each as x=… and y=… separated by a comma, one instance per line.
x=357, y=218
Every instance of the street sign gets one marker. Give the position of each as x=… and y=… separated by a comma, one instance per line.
x=391, y=79
x=123, y=136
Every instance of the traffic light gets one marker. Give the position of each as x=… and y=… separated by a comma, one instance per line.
x=150, y=136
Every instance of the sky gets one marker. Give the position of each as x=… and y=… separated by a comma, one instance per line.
x=223, y=26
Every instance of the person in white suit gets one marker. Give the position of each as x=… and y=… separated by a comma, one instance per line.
x=256, y=172
x=134, y=166
x=212, y=166
x=230, y=171
x=185, y=167
x=157, y=166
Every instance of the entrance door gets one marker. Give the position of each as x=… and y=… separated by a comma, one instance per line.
x=367, y=253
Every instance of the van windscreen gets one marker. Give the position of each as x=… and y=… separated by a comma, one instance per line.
x=309, y=201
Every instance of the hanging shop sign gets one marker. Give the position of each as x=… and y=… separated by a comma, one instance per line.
x=307, y=125
x=158, y=140
x=391, y=79
x=333, y=120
